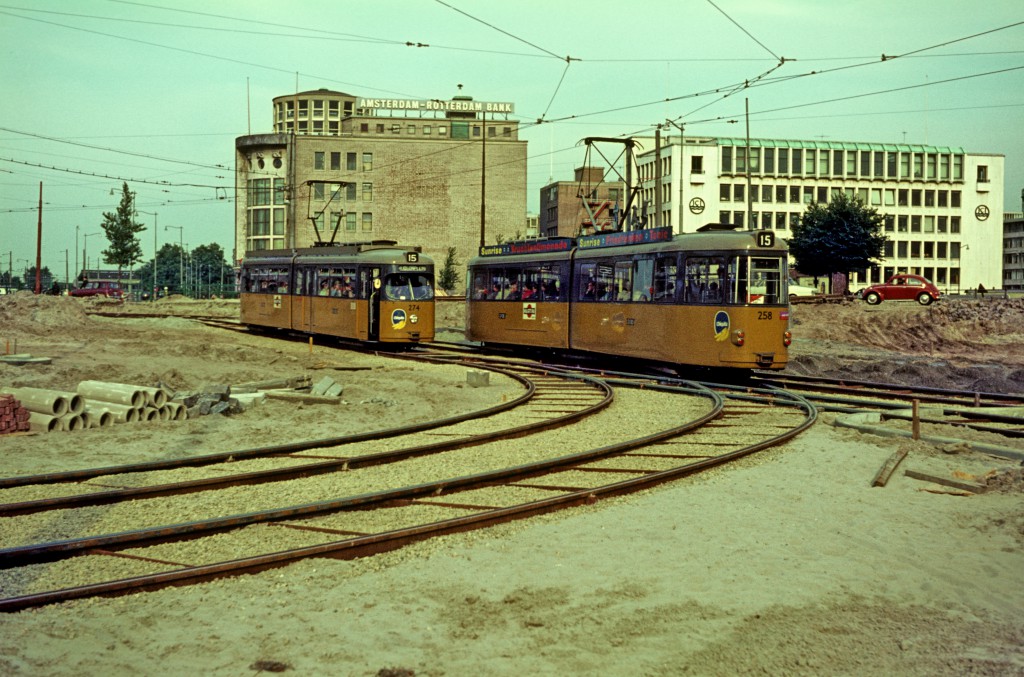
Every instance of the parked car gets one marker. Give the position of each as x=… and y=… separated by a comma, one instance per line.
x=902, y=287
x=796, y=290
x=101, y=288
x=757, y=293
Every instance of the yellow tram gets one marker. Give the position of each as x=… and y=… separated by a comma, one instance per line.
x=715, y=298
x=375, y=292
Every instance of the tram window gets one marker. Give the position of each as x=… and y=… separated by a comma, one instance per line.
x=605, y=282
x=408, y=287
x=549, y=283
x=622, y=285
x=587, y=290
x=480, y=287
x=496, y=285
x=513, y=290
x=705, y=278
x=765, y=280
x=665, y=270
x=643, y=279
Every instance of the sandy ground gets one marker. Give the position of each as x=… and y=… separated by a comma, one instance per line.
x=786, y=563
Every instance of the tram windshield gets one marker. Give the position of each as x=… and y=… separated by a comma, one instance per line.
x=733, y=279
x=408, y=287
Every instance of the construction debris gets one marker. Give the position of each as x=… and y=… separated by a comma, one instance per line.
x=13, y=416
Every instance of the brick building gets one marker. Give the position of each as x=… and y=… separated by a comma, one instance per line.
x=381, y=169
x=587, y=204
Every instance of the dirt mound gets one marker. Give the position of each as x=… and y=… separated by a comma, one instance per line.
x=951, y=328
x=24, y=313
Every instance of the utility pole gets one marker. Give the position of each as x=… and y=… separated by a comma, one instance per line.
x=657, y=176
x=750, y=198
x=155, y=221
x=39, y=243
x=682, y=171
x=483, y=178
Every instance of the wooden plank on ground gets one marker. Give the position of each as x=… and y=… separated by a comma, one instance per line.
x=887, y=469
x=973, y=487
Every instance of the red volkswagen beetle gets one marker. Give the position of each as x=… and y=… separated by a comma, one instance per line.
x=902, y=287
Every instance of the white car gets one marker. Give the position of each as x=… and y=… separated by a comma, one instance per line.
x=796, y=290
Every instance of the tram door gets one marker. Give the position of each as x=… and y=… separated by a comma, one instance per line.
x=371, y=284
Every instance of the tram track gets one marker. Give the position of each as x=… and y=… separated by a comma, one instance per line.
x=391, y=516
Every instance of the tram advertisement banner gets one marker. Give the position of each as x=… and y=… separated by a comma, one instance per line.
x=537, y=247
x=626, y=238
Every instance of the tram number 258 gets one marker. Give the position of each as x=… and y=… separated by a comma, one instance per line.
x=764, y=314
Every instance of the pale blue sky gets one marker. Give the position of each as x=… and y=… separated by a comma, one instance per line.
x=100, y=91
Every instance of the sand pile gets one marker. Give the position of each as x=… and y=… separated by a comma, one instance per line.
x=26, y=313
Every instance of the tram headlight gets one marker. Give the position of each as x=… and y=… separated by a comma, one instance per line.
x=787, y=338
x=739, y=337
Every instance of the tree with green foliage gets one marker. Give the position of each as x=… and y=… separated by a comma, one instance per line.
x=121, y=229
x=839, y=237
x=210, y=269
x=448, y=279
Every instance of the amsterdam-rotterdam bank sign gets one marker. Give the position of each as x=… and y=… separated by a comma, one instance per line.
x=456, y=105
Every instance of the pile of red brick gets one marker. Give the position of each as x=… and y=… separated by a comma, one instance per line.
x=13, y=416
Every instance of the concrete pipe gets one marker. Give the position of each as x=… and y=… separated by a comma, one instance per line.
x=118, y=393
x=44, y=422
x=177, y=410
x=155, y=397
x=103, y=419
x=121, y=413
x=149, y=414
x=76, y=404
x=73, y=422
x=40, y=400
x=164, y=413
x=99, y=415
x=100, y=418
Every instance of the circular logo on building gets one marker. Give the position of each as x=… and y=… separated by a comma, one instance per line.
x=696, y=205
x=397, y=318
x=981, y=212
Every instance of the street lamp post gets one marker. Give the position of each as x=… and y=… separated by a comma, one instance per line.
x=154, y=214
x=181, y=254
x=85, y=250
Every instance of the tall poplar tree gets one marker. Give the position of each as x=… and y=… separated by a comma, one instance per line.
x=121, y=229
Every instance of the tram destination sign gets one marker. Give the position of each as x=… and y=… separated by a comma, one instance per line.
x=451, y=105
x=562, y=244
x=626, y=238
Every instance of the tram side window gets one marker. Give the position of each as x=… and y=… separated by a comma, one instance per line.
x=737, y=277
x=597, y=282
x=643, y=280
x=549, y=283
x=337, y=282
x=622, y=283
x=706, y=279
x=268, y=280
x=481, y=287
x=665, y=270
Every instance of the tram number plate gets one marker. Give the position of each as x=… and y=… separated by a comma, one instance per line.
x=764, y=314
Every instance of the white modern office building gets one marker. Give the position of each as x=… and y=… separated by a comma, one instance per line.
x=942, y=205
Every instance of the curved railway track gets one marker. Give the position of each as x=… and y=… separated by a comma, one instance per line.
x=470, y=480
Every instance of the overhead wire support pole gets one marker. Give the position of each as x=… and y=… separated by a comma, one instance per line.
x=750, y=198
x=39, y=243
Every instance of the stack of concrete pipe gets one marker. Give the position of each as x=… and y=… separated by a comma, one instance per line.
x=51, y=410
x=96, y=404
x=131, y=404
